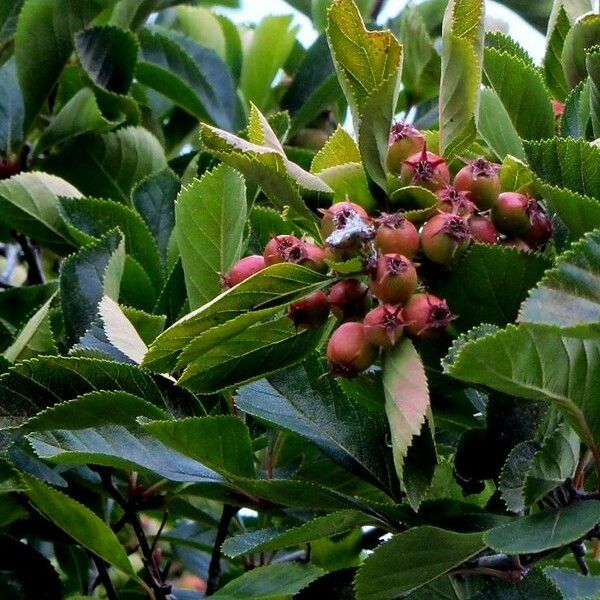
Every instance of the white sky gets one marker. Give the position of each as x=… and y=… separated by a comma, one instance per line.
x=254, y=10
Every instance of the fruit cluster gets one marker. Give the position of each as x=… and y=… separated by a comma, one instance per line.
x=378, y=297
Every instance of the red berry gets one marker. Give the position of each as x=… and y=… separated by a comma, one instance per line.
x=455, y=202
x=425, y=169
x=480, y=177
x=396, y=235
x=483, y=230
x=405, y=141
x=395, y=279
x=511, y=213
x=336, y=216
x=276, y=246
x=310, y=312
x=444, y=238
x=348, y=350
x=307, y=255
x=349, y=300
x=384, y=325
x=244, y=268
x=541, y=227
x=426, y=316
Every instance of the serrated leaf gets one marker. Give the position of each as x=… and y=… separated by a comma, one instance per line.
x=210, y=216
x=192, y=76
x=496, y=128
x=87, y=276
x=80, y=523
x=564, y=372
x=274, y=286
x=148, y=326
x=412, y=559
x=101, y=427
x=339, y=149
x=108, y=54
x=270, y=582
x=512, y=477
x=504, y=43
x=568, y=295
x=221, y=442
x=260, y=350
x=553, y=464
x=302, y=401
x=109, y=165
x=12, y=109
x=546, y=530
x=80, y=115
x=269, y=48
x=521, y=89
x=462, y=57
x=29, y=204
x=368, y=65
x=573, y=585
x=32, y=385
x=267, y=540
x=535, y=586
x=576, y=119
x=94, y=218
x=592, y=63
x=406, y=399
x=154, y=199
x=266, y=222
x=584, y=34
x=34, y=338
x=567, y=163
x=489, y=284
x=44, y=42
x=350, y=181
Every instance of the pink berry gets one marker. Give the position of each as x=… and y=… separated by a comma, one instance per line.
x=337, y=214
x=395, y=279
x=483, y=230
x=425, y=169
x=349, y=300
x=480, y=178
x=348, y=351
x=276, y=247
x=384, y=325
x=426, y=316
x=444, y=238
x=242, y=269
x=396, y=235
x=310, y=312
x=405, y=141
x=511, y=213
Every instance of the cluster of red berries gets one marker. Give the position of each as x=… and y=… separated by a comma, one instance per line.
x=471, y=205
x=381, y=300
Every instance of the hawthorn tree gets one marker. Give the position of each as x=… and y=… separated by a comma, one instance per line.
x=250, y=354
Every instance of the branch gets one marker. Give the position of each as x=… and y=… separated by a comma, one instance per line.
x=35, y=274
x=214, y=568
x=104, y=577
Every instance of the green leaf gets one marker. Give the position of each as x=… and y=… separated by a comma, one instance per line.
x=573, y=585
x=504, y=43
x=267, y=540
x=9, y=13
x=221, y=442
x=93, y=272
x=210, y=217
x=192, y=76
x=29, y=203
x=274, y=286
x=284, y=182
x=268, y=50
x=489, y=284
x=44, y=43
x=78, y=116
x=314, y=87
x=340, y=149
x=201, y=25
x=556, y=461
x=496, y=128
x=148, y=327
x=584, y=34
x=413, y=558
x=546, y=530
x=101, y=428
x=535, y=586
x=33, y=385
x=350, y=181
x=278, y=581
x=108, y=55
x=12, y=109
x=260, y=350
x=579, y=214
x=462, y=57
x=35, y=337
x=303, y=401
x=80, y=523
x=368, y=65
x=512, y=476
x=154, y=199
x=564, y=370
x=568, y=295
x=109, y=165
x=566, y=162
x=592, y=63
x=406, y=400
x=521, y=89
x=576, y=119
x=91, y=218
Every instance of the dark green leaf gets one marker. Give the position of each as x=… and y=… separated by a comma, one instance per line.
x=573, y=585
x=535, y=586
x=512, y=477
x=576, y=119
x=149, y=327
x=503, y=43
x=592, y=63
x=12, y=110
x=584, y=34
